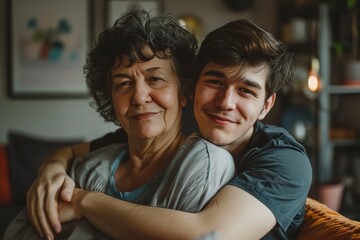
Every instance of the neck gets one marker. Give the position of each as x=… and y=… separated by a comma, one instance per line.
x=238, y=146
x=146, y=160
x=154, y=151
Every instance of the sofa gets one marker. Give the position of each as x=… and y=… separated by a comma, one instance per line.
x=20, y=158
x=321, y=222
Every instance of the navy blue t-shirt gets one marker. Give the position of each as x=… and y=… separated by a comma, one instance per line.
x=275, y=169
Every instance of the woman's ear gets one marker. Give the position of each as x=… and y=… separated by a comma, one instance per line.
x=183, y=101
x=269, y=103
x=191, y=97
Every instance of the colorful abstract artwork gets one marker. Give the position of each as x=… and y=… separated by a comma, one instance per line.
x=51, y=42
x=48, y=44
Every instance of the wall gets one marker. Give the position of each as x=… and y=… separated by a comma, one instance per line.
x=67, y=118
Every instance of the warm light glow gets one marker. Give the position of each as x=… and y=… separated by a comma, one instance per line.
x=313, y=83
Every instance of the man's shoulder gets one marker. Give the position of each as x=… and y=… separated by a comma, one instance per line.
x=275, y=141
x=266, y=133
x=272, y=131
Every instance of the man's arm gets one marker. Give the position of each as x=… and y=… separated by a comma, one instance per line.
x=52, y=180
x=233, y=214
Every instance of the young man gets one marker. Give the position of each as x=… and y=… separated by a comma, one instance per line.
x=241, y=67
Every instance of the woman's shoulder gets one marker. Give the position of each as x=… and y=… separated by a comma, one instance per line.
x=198, y=154
x=92, y=172
x=195, y=144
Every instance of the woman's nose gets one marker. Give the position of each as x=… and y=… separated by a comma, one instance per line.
x=141, y=94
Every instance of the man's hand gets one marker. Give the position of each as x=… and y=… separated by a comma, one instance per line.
x=52, y=181
x=69, y=211
x=43, y=198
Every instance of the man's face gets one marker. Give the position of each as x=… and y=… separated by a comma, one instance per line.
x=227, y=103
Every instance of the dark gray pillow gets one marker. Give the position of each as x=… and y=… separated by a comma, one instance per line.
x=25, y=155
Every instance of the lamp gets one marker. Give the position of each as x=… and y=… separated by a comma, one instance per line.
x=313, y=82
x=313, y=86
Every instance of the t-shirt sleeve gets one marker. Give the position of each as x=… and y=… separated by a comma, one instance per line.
x=194, y=177
x=119, y=136
x=204, y=185
x=279, y=177
x=92, y=172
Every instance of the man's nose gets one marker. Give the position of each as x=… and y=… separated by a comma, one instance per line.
x=226, y=99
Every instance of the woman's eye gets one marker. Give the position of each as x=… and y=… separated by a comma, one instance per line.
x=214, y=82
x=122, y=84
x=155, y=79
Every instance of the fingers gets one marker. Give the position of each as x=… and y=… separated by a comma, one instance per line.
x=47, y=230
x=63, y=186
x=51, y=207
x=67, y=189
x=38, y=217
x=69, y=211
x=32, y=216
x=65, y=212
x=43, y=205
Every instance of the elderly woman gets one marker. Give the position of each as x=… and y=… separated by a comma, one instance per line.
x=140, y=74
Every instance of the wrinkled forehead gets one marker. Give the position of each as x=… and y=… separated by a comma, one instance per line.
x=140, y=56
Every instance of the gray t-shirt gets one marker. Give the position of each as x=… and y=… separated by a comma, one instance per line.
x=195, y=174
x=193, y=177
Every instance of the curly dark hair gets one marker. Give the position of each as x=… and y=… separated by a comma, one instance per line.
x=129, y=36
x=241, y=43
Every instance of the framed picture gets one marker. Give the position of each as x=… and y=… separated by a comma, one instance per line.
x=48, y=41
x=116, y=8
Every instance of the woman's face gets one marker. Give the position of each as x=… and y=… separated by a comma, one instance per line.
x=146, y=98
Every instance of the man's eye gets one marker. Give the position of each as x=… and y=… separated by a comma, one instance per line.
x=246, y=91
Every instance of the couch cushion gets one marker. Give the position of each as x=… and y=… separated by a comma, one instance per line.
x=321, y=222
x=25, y=154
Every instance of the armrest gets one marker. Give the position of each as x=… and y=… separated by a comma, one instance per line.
x=321, y=222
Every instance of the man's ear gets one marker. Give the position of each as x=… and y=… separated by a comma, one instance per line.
x=269, y=103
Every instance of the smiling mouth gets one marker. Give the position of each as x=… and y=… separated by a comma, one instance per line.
x=143, y=116
x=219, y=120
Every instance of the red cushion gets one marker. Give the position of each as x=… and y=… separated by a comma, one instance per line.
x=5, y=194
